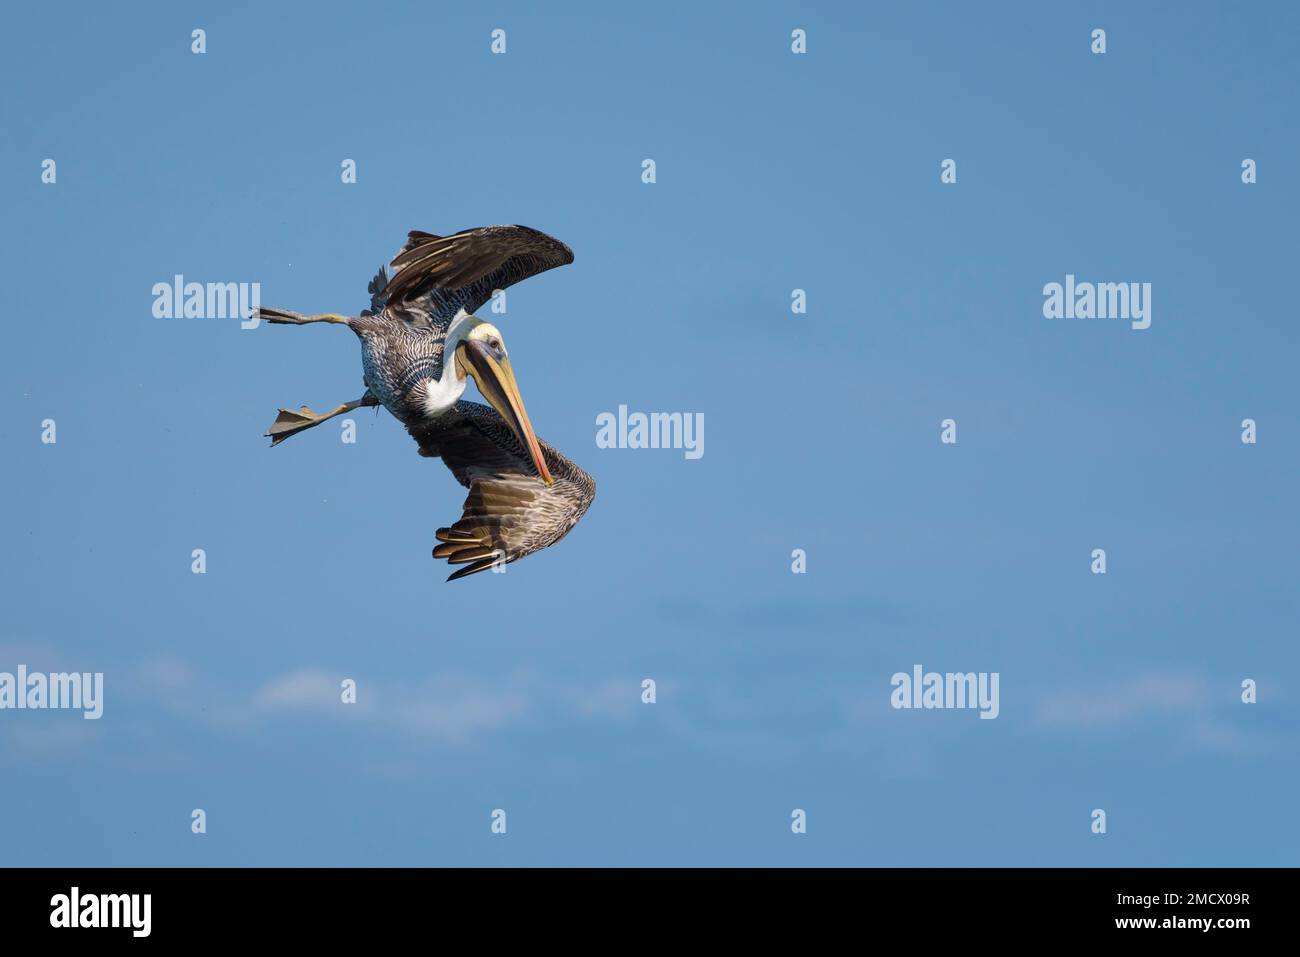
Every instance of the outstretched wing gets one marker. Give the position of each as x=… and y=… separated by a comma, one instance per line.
x=436, y=276
x=510, y=512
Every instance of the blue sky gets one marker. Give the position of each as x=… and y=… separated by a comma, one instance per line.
x=775, y=171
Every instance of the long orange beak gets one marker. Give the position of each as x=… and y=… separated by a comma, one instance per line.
x=496, y=380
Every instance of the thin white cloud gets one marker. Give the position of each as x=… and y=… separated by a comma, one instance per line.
x=616, y=699
x=48, y=741
x=309, y=690
x=1121, y=702
x=453, y=708
x=456, y=708
x=1185, y=710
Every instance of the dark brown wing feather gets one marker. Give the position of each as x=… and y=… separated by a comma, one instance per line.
x=436, y=276
x=376, y=290
x=509, y=512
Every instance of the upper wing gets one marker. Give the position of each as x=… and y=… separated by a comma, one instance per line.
x=435, y=276
x=376, y=290
x=510, y=512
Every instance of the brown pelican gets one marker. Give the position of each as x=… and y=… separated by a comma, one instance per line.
x=523, y=495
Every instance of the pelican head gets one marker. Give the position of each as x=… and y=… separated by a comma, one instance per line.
x=481, y=353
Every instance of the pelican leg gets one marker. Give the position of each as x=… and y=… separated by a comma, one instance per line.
x=289, y=318
x=289, y=423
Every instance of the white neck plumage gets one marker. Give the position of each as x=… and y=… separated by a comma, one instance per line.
x=443, y=393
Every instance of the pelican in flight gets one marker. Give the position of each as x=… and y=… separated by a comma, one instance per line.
x=420, y=342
